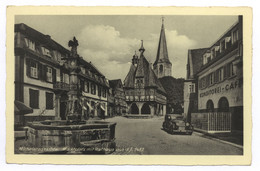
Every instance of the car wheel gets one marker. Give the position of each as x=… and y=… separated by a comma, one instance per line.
x=173, y=126
x=164, y=126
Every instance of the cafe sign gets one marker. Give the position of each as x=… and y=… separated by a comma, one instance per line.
x=223, y=88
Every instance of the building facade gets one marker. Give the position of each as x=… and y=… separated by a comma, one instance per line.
x=42, y=78
x=215, y=78
x=118, y=93
x=144, y=92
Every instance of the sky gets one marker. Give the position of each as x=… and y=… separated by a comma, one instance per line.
x=110, y=42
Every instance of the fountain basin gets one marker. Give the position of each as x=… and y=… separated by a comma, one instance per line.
x=72, y=137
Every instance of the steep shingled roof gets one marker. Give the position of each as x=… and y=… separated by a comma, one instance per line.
x=143, y=69
x=195, y=61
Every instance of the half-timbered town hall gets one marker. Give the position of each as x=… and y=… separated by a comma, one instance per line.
x=144, y=93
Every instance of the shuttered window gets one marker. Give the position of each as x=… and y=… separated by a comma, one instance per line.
x=34, y=98
x=49, y=100
x=39, y=71
x=99, y=91
x=49, y=74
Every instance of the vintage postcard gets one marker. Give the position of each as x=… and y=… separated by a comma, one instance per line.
x=129, y=85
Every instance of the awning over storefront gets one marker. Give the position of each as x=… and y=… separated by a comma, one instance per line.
x=102, y=107
x=20, y=108
x=85, y=104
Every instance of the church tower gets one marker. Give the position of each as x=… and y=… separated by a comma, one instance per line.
x=162, y=65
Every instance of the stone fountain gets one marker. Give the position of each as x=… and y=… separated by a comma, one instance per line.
x=75, y=134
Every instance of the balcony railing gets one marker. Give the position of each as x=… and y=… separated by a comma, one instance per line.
x=61, y=86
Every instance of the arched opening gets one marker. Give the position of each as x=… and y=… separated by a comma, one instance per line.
x=146, y=109
x=134, y=109
x=223, y=105
x=210, y=106
x=161, y=68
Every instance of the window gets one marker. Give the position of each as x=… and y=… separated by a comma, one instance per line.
x=206, y=58
x=33, y=69
x=192, y=88
x=66, y=78
x=104, y=93
x=219, y=75
x=86, y=89
x=99, y=91
x=57, y=56
x=222, y=46
x=202, y=83
x=34, y=98
x=49, y=100
x=210, y=106
x=83, y=70
x=93, y=88
x=227, y=42
x=211, y=78
x=46, y=51
x=231, y=69
x=161, y=68
x=234, y=36
x=213, y=53
x=30, y=44
x=49, y=74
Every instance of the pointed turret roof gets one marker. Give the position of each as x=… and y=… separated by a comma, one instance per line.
x=162, y=52
x=144, y=70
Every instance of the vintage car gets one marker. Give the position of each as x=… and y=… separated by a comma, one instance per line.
x=175, y=123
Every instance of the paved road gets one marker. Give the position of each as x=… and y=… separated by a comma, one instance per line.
x=145, y=136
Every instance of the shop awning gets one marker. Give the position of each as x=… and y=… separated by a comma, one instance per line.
x=102, y=107
x=20, y=108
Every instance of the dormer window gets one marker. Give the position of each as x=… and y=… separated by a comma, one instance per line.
x=227, y=42
x=234, y=36
x=46, y=52
x=83, y=70
x=206, y=58
x=222, y=45
x=30, y=44
x=213, y=53
x=57, y=56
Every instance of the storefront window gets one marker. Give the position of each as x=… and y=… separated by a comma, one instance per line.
x=210, y=106
x=223, y=105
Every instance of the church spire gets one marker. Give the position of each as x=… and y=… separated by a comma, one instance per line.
x=162, y=52
x=162, y=65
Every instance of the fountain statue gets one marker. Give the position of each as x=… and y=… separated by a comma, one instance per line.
x=75, y=134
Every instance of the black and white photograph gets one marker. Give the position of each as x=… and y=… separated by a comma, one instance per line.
x=111, y=85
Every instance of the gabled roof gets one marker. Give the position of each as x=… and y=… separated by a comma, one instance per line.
x=162, y=52
x=115, y=83
x=40, y=37
x=195, y=61
x=130, y=77
x=45, y=40
x=142, y=70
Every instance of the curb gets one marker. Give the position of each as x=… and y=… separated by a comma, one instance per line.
x=219, y=140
